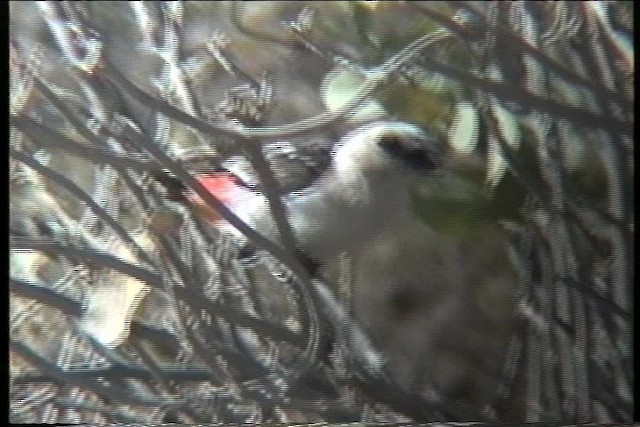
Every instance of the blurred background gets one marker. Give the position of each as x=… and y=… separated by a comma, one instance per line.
x=512, y=302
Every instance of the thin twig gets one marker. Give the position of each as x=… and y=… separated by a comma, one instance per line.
x=74, y=189
x=112, y=392
x=89, y=255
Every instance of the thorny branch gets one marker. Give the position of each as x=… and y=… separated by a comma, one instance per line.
x=589, y=256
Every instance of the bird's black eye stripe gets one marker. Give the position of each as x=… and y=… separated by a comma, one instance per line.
x=413, y=153
x=390, y=142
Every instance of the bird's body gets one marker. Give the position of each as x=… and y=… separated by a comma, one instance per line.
x=331, y=216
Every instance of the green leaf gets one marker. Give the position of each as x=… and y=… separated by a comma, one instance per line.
x=458, y=203
x=340, y=85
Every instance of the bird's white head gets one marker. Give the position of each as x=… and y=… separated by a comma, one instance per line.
x=383, y=148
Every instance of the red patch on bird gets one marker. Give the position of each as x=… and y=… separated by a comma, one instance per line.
x=222, y=185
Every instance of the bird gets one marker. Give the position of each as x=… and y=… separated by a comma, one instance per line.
x=362, y=194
